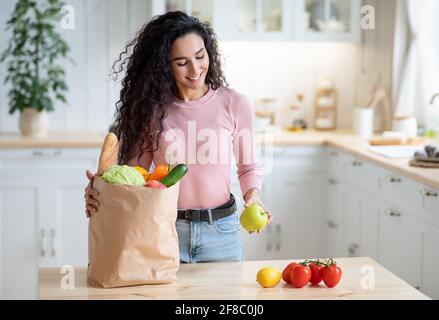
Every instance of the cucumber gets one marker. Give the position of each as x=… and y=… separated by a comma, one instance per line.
x=176, y=174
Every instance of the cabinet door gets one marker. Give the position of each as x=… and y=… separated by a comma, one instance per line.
x=257, y=20
x=332, y=222
x=298, y=214
x=254, y=245
x=430, y=261
x=328, y=20
x=400, y=245
x=360, y=223
x=202, y=9
x=20, y=211
x=68, y=226
x=369, y=214
x=350, y=223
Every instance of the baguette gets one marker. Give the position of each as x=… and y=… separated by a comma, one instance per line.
x=109, y=153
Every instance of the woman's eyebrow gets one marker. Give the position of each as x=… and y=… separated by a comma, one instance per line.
x=180, y=58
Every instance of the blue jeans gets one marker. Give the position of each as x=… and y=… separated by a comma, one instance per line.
x=200, y=241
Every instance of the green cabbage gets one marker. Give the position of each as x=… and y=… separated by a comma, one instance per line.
x=123, y=175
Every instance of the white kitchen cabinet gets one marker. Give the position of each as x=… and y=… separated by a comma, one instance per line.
x=273, y=20
x=262, y=20
x=350, y=222
x=202, y=9
x=298, y=213
x=430, y=261
x=332, y=222
x=20, y=246
x=430, y=205
x=359, y=223
x=293, y=190
x=397, y=189
x=327, y=20
x=254, y=245
x=333, y=217
x=400, y=244
x=211, y=11
x=68, y=225
x=369, y=214
x=42, y=214
x=361, y=175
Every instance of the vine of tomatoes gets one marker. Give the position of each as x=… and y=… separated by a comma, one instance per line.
x=299, y=274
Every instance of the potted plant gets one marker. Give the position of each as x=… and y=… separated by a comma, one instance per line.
x=32, y=59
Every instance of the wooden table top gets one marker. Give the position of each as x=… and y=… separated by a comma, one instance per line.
x=236, y=281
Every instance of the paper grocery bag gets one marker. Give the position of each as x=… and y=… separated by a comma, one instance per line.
x=132, y=238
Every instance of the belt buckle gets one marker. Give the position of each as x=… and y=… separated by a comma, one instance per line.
x=209, y=214
x=187, y=214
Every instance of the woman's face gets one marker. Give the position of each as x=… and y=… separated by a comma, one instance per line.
x=190, y=62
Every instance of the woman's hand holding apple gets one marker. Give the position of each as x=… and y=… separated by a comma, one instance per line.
x=252, y=196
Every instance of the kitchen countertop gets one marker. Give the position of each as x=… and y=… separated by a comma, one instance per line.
x=236, y=280
x=343, y=140
x=63, y=139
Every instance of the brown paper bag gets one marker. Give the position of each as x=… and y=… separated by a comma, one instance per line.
x=132, y=238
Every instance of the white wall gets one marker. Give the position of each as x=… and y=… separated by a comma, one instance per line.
x=102, y=29
x=271, y=69
x=283, y=69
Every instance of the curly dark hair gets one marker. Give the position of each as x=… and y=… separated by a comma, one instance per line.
x=148, y=85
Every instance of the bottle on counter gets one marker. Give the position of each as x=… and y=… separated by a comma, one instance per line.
x=326, y=106
x=294, y=115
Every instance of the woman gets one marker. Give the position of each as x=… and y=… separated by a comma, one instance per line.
x=175, y=100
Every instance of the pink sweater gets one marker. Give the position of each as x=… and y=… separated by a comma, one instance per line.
x=204, y=134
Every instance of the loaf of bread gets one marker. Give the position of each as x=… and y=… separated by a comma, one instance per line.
x=109, y=153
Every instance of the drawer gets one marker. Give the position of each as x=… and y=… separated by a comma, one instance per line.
x=361, y=174
x=301, y=159
x=48, y=160
x=396, y=189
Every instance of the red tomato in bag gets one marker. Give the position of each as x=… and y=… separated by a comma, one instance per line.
x=300, y=276
x=331, y=275
x=286, y=274
x=316, y=273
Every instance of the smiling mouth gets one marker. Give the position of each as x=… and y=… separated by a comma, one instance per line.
x=196, y=78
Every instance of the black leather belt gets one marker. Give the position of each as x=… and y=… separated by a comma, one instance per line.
x=209, y=214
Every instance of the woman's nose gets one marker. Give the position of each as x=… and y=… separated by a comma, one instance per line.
x=194, y=69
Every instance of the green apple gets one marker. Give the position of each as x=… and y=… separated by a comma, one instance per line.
x=253, y=218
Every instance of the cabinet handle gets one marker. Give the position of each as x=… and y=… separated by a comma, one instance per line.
x=429, y=193
x=393, y=213
x=392, y=179
x=43, y=243
x=269, y=239
x=357, y=163
x=278, y=232
x=332, y=181
x=332, y=224
x=353, y=249
x=52, y=153
x=52, y=243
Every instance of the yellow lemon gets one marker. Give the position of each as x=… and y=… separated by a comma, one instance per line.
x=268, y=277
x=143, y=172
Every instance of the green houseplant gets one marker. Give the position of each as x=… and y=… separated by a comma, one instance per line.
x=32, y=61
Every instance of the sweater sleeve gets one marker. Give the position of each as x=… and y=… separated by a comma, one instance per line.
x=244, y=149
